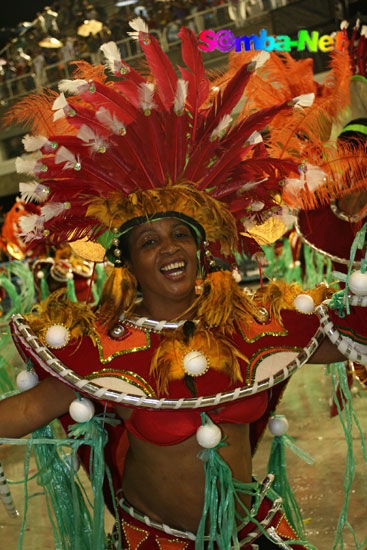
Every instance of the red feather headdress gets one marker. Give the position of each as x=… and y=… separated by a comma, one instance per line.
x=127, y=147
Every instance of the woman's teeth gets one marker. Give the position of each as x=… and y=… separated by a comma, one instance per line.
x=175, y=268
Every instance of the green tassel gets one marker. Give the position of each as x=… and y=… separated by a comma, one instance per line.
x=25, y=280
x=74, y=527
x=222, y=492
x=12, y=292
x=94, y=294
x=101, y=277
x=277, y=466
x=44, y=289
x=347, y=418
x=71, y=290
x=95, y=435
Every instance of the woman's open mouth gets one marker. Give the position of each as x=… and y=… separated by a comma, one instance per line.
x=174, y=270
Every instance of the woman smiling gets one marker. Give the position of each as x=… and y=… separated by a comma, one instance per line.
x=160, y=178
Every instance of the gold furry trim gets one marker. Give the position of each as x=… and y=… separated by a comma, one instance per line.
x=279, y=295
x=221, y=353
x=216, y=219
x=57, y=309
x=118, y=295
x=223, y=302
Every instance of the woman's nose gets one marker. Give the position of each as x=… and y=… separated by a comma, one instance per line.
x=168, y=245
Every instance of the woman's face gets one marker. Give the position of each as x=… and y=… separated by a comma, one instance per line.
x=163, y=260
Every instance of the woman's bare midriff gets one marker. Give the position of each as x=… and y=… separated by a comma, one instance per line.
x=167, y=482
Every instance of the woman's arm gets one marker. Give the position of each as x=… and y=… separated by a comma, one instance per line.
x=326, y=353
x=23, y=413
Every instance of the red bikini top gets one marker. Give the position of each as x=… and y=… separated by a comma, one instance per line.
x=170, y=427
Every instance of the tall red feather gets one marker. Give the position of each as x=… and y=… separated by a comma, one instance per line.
x=162, y=69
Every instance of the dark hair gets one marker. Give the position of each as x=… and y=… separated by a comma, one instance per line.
x=350, y=131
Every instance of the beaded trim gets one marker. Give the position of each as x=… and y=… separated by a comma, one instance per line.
x=333, y=258
x=152, y=523
x=344, y=345
x=263, y=489
x=343, y=216
x=355, y=300
x=143, y=323
x=54, y=366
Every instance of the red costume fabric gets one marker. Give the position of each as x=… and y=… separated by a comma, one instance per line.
x=268, y=348
x=337, y=237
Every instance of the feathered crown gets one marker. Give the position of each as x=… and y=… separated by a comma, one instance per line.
x=328, y=170
x=125, y=149
x=128, y=147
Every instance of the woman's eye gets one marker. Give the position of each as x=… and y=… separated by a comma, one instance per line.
x=148, y=242
x=181, y=234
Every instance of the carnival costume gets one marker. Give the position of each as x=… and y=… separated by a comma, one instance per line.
x=126, y=151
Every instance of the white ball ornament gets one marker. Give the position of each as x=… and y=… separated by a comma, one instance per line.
x=358, y=283
x=304, y=303
x=195, y=363
x=278, y=425
x=81, y=410
x=208, y=436
x=57, y=336
x=26, y=380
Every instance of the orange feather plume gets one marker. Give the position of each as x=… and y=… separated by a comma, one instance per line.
x=35, y=112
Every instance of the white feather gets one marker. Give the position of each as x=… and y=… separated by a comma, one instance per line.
x=139, y=25
x=255, y=138
x=249, y=222
x=58, y=114
x=180, y=96
x=26, y=166
x=33, y=235
x=251, y=184
x=113, y=57
x=286, y=216
x=95, y=142
x=29, y=223
x=219, y=131
x=110, y=121
x=73, y=86
x=58, y=106
x=33, y=191
x=304, y=100
x=314, y=177
x=52, y=210
x=146, y=92
x=86, y=134
x=34, y=143
x=364, y=30
x=66, y=156
x=59, y=103
x=261, y=58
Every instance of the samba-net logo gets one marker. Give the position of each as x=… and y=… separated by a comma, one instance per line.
x=225, y=41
